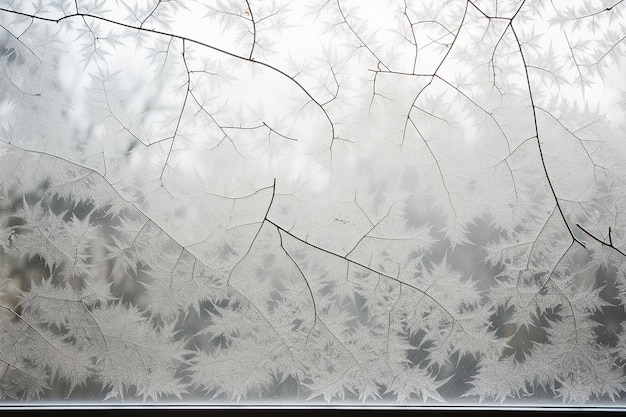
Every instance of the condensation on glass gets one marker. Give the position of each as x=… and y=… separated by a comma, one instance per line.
x=313, y=202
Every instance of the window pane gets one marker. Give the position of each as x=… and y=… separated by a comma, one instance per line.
x=342, y=201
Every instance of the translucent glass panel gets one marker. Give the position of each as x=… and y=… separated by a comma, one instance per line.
x=342, y=201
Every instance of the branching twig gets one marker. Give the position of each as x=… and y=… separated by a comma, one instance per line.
x=188, y=39
x=602, y=242
x=253, y=30
x=382, y=274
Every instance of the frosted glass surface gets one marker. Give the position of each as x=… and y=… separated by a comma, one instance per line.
x=313, y=202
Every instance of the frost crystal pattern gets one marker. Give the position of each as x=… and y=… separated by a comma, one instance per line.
x=313, y=201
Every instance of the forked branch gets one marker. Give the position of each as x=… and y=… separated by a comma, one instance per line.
x=602, y=242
